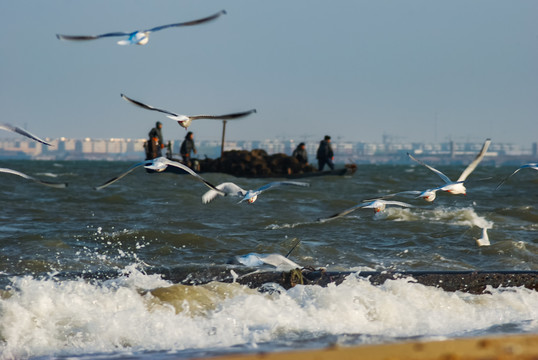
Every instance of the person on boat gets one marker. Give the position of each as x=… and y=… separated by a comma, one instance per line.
x=155, y=143
x=187, y=146
x=325, y=154
x=300, y=154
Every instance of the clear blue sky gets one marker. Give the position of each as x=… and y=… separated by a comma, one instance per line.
x=416, y=70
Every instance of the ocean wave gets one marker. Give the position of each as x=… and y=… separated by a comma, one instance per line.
x=141, y=313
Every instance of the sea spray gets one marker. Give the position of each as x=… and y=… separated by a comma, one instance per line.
x=140, y=313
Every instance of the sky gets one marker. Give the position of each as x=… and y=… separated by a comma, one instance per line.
x=415, y=71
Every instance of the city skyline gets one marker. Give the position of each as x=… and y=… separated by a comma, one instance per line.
x=417, y=71
x=345, y=151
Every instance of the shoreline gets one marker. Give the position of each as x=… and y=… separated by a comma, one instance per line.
x=521, y=347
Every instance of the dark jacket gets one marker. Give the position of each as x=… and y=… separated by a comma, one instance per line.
x=153, y=148
x=300, y=154
x=324, y=151
x=156, y=133
x=186, y=147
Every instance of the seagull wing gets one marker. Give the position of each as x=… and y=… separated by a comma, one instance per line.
x=345, y=212
x=398, y=203
x=114, y=179
x=18, y=130
x=90, y=37
x=224, y=117
x=475, y=162
x=47, y=183
x=531, y=165
x=441, y=175
x=484, y=240
x=147, y=107
x=189, y=23
x=280, y=183
x=407, y=192
x=279, y=261
x=198, y=177
x=226, y=189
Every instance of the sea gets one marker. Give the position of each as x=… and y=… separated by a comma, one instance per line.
x=81, y=270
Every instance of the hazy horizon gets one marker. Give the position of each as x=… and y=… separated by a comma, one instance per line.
x=418, y=71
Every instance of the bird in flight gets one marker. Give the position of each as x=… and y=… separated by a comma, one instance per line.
x=28, y=177
x=139, y=37
x=158, y=164
x=18, y=130
x=378, y=205
x=526, y=166
x=484, y=240
x=457, y=187
x=185, y=120
x=231, y=189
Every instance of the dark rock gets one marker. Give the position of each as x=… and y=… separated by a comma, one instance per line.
x=255, y=163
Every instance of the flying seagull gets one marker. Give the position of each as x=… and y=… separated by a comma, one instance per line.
x=231, y=189
x=159, y=164
x=530, y=166
x=139, y=37
x=280, y=262
x=47, y=183
x=18, y=130
x=185, y=120
x=484, y=240
x=457, y=187
x=428, y=195
x=378, y=205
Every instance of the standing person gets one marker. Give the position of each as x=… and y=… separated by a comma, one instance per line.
x=325, y=154
x=300, y=153
x=186, y=147
x=155, y=143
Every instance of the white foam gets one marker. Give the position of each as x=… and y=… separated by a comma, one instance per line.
x=144, y=313
x=460, y=217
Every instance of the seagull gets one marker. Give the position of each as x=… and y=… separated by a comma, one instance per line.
x=276, y=260
x=185, y=120
x=47, y=183
x=378, y=205
x=159, y=164
x=18, y=130
x=484, y=240
x=457, y=187
x=530, y=166
x=231, y=189
x=138, y=37
x=428, y=195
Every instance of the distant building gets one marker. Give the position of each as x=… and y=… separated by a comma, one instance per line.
x=345, y=151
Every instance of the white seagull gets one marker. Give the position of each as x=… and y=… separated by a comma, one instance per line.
x=484, y=240
x=159, y=164
x=18, y=130
x=457, y=187
x=280, y=262
x=47, y=183
x=231, y=189
x=185, y=120
x=378, y=205
x=530, y=166
x=138, y=37
x=428, y=195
